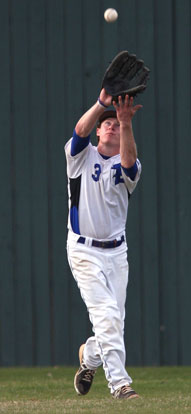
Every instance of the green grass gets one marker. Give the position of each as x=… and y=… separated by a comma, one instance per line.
x=165, y=390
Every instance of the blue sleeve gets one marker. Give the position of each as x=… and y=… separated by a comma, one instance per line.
x=78, y=143
x=131, y=172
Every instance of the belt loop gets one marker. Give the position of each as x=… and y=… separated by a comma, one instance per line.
x=88, y=242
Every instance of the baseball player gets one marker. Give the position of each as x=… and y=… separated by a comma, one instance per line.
x=100, y=181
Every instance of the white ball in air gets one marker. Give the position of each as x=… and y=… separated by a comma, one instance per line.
x=110, y=15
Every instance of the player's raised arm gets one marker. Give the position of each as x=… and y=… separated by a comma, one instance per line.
x=88, y=121
x=125, y=113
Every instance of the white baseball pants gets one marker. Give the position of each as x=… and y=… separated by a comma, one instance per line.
x=102, y=277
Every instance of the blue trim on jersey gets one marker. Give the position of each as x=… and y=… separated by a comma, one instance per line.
x=78, y=144
x=104, y=156
x=74, y=220
x=131, y=172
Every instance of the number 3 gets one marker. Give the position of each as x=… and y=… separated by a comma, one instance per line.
x=97, y=172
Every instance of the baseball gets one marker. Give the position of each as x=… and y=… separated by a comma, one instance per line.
x=110, y=15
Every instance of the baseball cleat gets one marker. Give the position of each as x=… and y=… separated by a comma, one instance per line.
x=84, y=376
x=125, y=392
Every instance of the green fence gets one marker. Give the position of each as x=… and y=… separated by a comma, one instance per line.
x=53, y=54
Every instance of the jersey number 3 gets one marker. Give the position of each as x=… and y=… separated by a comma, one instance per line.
x=97, y=172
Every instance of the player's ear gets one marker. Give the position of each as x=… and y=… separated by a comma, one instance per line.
x=97, y=133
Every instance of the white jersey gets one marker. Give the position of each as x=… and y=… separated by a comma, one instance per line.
x=98, y=193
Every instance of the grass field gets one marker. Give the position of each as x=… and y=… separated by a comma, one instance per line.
x=165, y=390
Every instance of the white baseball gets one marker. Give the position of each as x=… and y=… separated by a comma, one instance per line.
x=110, y=15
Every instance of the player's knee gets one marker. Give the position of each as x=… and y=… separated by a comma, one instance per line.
x=110, y=323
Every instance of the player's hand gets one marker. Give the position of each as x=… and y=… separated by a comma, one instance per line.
x=125, y=109
x=105, y=97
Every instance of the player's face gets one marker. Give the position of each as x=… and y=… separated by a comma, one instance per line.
x=109, y=131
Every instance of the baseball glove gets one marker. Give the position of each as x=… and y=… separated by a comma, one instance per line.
x=125, y=75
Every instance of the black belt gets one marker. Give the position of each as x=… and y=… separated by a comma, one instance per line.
x=104, y=244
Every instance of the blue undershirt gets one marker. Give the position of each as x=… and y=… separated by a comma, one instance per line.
x=78, y=143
